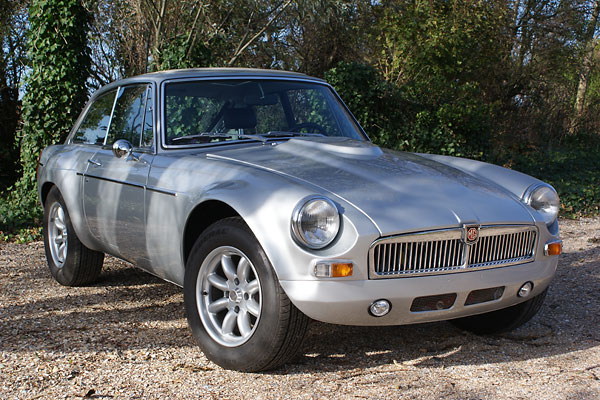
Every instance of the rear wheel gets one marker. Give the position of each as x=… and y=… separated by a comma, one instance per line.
x=503, y=320
x=236, y=309
x=70, y=262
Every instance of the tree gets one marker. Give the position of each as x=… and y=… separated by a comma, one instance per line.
x=131, y=37
x=56, y=91
x=448, y=58
x=588, y=56
x=545, y=59
x=313, y=36
x=12, y=65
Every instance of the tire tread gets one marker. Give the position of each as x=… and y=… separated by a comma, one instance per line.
x=83, y=265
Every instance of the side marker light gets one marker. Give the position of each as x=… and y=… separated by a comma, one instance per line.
x=331, y=269
x=553, y=248
x=341, y=270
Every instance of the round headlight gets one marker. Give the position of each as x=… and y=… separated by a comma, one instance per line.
x=315, y=222
x=544, y=199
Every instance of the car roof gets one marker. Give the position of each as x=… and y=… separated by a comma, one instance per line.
x=191, y=73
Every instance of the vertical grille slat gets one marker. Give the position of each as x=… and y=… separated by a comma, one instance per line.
x=411, y=246
x=443, y=252
x=434, y=252
x=394, y=257
x=513, y=245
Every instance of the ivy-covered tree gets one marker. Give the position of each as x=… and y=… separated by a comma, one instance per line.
x=12, y=62
x=56, y=92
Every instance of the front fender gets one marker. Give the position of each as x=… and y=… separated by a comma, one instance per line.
x=513, y=181
x=265, y=200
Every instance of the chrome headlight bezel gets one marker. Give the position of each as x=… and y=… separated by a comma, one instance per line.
x=548, y=208
x=299, y=234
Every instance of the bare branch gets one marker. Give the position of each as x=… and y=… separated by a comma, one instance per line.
x=191, y=39
x=260, y=32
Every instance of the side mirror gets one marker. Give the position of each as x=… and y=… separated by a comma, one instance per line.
x=122, y=148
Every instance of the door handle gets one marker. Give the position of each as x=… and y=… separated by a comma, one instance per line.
x=96, y=163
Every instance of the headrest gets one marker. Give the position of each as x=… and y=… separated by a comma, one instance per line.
x=240, y=118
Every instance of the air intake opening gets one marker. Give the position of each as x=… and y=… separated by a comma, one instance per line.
x=484, y=295
x=433, y=303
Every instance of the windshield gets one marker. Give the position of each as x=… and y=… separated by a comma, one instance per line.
x=200, y=112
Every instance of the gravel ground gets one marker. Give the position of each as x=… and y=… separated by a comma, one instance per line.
x=126, y=337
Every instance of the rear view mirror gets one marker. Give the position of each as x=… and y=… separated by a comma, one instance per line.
x=123, y=148
x=266, y=100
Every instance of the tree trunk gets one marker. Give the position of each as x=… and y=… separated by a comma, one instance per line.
x=158, y=27
x=588, y=57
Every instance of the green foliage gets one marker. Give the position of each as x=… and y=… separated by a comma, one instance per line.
x=179, y=53
x=377, y=105
x=56, y=93
x=23, y=235
x=573, y=169
x=429, y=93
x=444, y=55
x=393, y=118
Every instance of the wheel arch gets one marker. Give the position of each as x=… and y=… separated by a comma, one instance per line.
x=45, y=189
x=200, y=218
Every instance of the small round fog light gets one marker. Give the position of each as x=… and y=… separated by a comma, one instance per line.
x=525, y=289
x=379, y=308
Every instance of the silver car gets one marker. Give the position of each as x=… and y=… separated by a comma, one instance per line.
x=259, y=193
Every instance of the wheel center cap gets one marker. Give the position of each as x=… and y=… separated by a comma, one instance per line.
x=236, y=295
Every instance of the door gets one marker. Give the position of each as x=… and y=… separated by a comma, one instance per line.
x=114, y=188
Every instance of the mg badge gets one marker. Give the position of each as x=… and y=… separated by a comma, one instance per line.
x=471, y=234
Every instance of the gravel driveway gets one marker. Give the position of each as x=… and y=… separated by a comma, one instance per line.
x=126, y=338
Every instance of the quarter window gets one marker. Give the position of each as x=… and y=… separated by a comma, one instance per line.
x=128, y=117
x=148, y=132
x=92, y=129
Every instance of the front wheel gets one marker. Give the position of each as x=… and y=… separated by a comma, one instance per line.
x=70, y=262
x=236, y=309
x=503, y=320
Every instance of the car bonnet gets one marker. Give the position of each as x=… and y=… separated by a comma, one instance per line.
x=398, y=191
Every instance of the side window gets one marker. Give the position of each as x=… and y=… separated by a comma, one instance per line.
x=95, y=123
x=148, y=132
x=128, y=116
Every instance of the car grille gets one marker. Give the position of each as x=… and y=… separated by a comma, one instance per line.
x=445, y=251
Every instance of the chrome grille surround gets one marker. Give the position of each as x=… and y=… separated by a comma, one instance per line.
x=445, y=251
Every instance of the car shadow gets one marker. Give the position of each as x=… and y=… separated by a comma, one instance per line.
x=129, y=309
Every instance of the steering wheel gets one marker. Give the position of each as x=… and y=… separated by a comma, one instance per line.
x=311, y=126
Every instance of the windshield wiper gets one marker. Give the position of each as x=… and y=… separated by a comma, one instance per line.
x=289, y=133
x=205, y=136
x=263, y=137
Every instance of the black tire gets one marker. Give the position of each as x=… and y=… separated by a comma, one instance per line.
x=77, y=265
x=279, y=327
x=503, y=320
